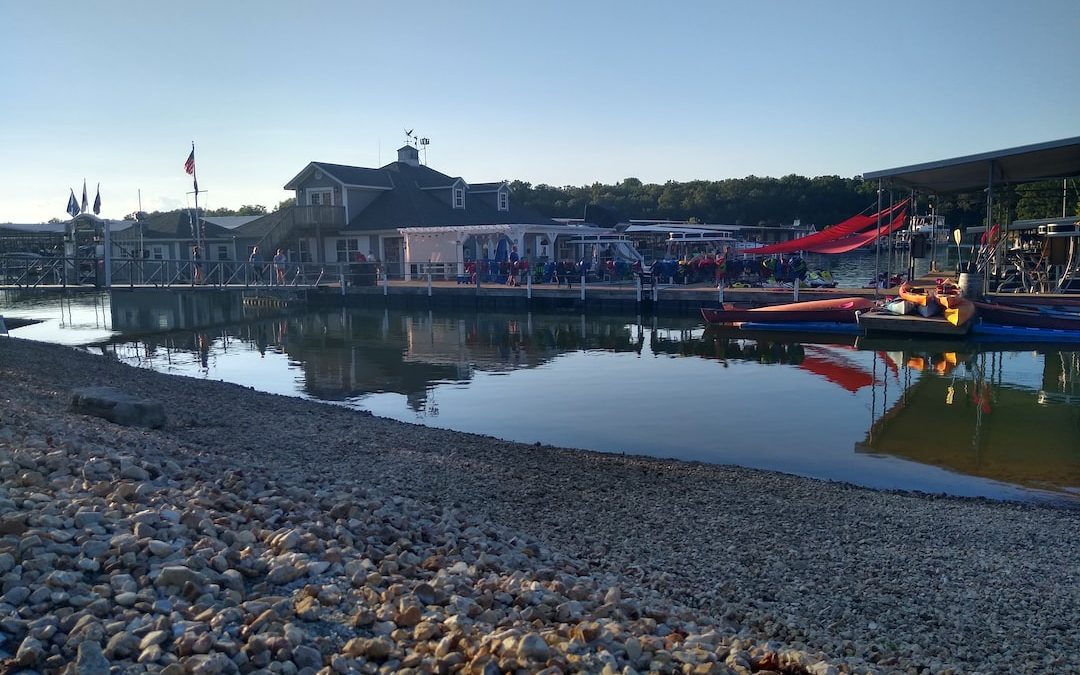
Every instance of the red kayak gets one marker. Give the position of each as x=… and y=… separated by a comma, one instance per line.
x=1014, y=315
x=838, y=310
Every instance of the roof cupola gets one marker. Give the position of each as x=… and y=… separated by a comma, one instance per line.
x=409, y=155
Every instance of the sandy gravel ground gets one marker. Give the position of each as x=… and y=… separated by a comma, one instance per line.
x=856, y=580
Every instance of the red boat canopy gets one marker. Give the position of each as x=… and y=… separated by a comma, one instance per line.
x=853, y=225
x=853, y=242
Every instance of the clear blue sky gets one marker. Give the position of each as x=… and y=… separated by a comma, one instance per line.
x=564, y=93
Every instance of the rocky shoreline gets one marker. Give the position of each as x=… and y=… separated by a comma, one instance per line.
x=260, y=533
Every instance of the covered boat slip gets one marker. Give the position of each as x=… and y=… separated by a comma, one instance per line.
x=1005, y=264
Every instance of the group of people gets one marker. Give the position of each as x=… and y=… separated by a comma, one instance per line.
x=278, y=264
x=198, y=276
x=725, y=269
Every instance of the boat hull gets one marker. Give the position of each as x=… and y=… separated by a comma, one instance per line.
x=1011, y=315
x=838, y=310
x=959, y=312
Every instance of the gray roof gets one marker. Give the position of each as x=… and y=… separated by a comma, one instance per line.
x=409, y=205
x=1025, y=164
x=347, y=175
x=486, y=187
x=173, y=225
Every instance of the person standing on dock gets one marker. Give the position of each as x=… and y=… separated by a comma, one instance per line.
x=279, y=267
x=196, y=266
x=512, y=269
x=254, y=262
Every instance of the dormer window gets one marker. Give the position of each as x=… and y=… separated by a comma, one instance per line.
x=321, y=197
x=504, y=200
x=459, y=198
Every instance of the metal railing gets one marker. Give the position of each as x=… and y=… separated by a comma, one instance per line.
x=299, y=217
x=165, y=273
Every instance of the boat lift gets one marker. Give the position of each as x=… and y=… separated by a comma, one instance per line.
x=1034, y=256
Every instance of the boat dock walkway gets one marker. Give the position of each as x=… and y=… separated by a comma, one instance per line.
x=625, y=296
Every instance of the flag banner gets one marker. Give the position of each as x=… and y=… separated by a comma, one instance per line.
x=97, y=201
x=189, y=165
x=85, y=203
x=73, y=206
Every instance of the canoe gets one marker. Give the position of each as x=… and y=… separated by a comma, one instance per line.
x=838, y=310
x=1013, y=315
x=916, y=294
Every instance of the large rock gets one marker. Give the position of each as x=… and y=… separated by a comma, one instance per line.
x=116, y=406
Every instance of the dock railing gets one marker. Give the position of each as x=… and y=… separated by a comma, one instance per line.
x=67, y=272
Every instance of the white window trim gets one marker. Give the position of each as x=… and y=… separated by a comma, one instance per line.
x=504, y=200
x=459, y=192
x=320, y=191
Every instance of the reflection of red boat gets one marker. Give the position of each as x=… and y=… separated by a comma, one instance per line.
x=835, y=368
x=1013, y=315
x=839, y=310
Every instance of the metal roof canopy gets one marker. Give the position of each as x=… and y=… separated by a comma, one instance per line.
x=1026, y=164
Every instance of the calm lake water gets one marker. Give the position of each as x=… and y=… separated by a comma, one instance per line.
x=953, y=418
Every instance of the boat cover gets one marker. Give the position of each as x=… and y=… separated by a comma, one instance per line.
x=851, y=226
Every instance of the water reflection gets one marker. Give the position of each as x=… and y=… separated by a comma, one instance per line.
x=940, y=417
x=1009, y=416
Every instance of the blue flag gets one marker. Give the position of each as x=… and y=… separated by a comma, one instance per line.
x=73, y=206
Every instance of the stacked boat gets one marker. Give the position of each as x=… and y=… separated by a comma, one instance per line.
x=942, y=299
x=937, y=309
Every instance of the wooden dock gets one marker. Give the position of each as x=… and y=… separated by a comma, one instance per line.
x=911, y=324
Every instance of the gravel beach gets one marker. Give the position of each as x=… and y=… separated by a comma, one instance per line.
x=261, y=533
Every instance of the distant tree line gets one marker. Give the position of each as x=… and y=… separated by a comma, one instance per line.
x=245, y=210
x=770, y=202
x=762, y=201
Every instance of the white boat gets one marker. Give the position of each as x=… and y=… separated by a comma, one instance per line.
x=691, y=240
x=900, y=307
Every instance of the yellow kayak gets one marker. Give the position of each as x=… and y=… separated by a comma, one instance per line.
x=960, y=312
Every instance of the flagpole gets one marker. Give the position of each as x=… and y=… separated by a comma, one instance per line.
x=198, y=221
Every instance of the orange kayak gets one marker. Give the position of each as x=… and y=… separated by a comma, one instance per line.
x=918, y=295
x=839, y=310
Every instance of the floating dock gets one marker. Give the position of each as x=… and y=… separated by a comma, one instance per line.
x=883, y=322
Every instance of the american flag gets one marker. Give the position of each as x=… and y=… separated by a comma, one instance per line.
x=189, y=165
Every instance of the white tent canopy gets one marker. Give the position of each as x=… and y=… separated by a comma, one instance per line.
x=444, y=245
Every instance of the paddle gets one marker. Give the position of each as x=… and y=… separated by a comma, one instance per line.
x=957, y=234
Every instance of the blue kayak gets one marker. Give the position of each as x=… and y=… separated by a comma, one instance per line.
x=1024, y=334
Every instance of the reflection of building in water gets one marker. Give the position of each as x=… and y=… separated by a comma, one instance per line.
x=984, y=421
x=149, y=311
x=357, y=352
